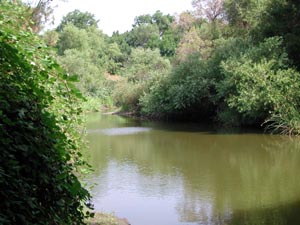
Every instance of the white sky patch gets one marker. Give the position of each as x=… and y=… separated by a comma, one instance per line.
x=119, y=14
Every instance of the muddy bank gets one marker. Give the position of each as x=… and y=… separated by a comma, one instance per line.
x=107, y=219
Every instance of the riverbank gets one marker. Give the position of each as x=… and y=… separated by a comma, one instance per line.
x=107, y=219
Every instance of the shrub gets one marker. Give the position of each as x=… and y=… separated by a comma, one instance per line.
x=262, y=88
x=185, y=90
x=39, y=131
x=143, y=68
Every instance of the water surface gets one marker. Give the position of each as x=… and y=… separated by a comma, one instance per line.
x=185, y=174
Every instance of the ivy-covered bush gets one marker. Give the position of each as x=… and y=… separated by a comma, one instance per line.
x=39, y=130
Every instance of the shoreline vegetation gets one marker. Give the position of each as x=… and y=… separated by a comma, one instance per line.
x=40, y=139
x=231, y=62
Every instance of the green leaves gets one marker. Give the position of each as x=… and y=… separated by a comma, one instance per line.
x=144, y=67
x=81, y=20
x=181, y=92
x=262, y=88
x=39, y=131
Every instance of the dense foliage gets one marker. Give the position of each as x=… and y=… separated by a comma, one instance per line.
x=78, y=19
x=143, y=68
x=245, y=79
x=233, y=62
x=39, y=130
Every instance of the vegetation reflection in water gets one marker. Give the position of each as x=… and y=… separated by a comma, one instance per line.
x=176, y=174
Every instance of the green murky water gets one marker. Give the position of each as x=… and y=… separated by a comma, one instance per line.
x=183, y=174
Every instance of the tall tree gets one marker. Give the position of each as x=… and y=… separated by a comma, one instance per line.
x=153, y=31
x=209, y=9
x=121, y=40
x=183, y=22
x=142, y=19
x=192, y=43
x=72, y=38
x=245, y=14
x=162, y=21
x=51, y=37
x=145, y=36
x=282, y=18
x=39, y=12
x=81, y=20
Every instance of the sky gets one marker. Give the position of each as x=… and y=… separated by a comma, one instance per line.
x=119, y=14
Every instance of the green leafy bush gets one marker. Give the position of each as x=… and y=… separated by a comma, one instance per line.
x=263, y=88
x=143, y=68
x=88, y=54
x=127, y=94
x=185, y=90
x=89, y=73
x=39, y=131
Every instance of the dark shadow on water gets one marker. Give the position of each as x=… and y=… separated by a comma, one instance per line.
x=288, y=214
x=211, y=176
x=205, y=127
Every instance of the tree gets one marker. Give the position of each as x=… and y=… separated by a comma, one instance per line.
x=263, y=88
x=144, y=67
x=142, y=20
x=83, y=64
x=84, y=52
x=162, y=21
x=245, y=14
x=72, y=37
x=51, y=38
x=122, y=41
x=209, y=9
x=143, y=62
x=145, y=35
x=192, y=43
x=149, y=32
x=89, y=54
x=168, y=43
x=184, y=22
x=40, y=13
x=81, y=20
x=183, y=92
x=281, y=18
x=114, y=56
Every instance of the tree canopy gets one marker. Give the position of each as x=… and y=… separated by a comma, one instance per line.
x=212, y=49
x=81, y=20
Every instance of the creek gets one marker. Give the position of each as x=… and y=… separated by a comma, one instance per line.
x=156, y=173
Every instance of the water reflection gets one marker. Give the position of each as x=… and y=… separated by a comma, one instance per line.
x=119, y=131
x=168, y=176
